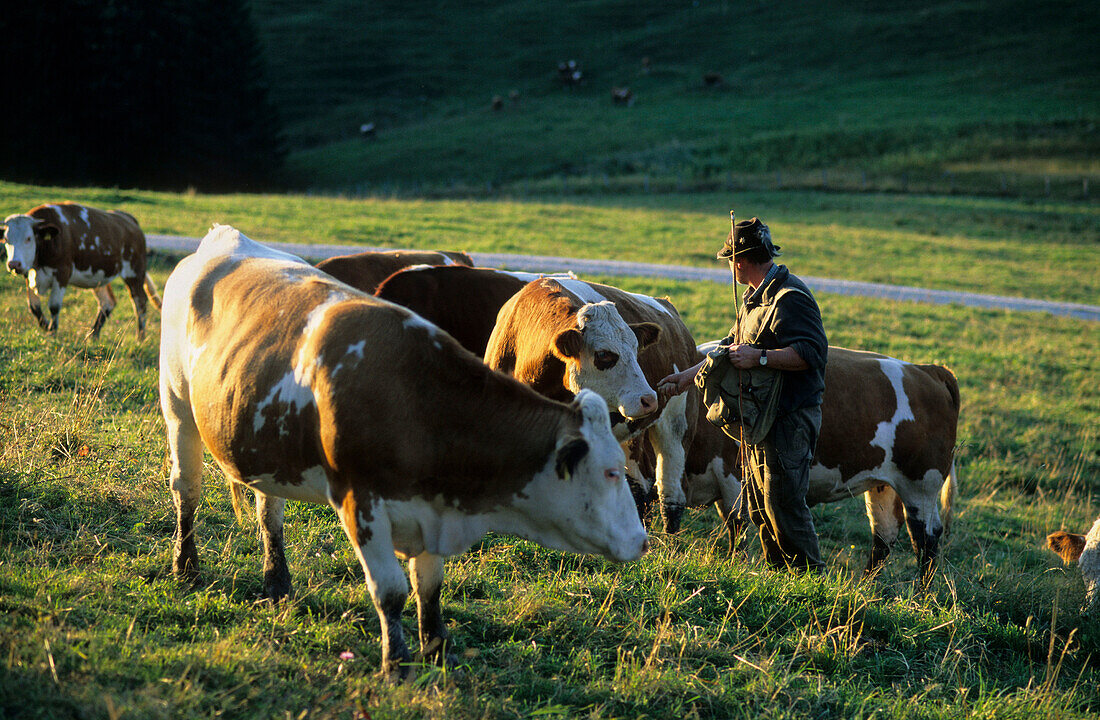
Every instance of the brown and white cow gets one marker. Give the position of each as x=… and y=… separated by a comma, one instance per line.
x=888, y=429
x=304, y=388
x=546, y=335
x=366, y=270
x=54, y=246
x=463, y=301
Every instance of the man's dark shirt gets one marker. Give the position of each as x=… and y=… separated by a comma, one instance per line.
x=795, y=323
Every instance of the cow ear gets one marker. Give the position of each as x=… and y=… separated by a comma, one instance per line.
x=568, y=344
x=46, y=232
x=1067, y=545
x=569, y=455
x=647, y=333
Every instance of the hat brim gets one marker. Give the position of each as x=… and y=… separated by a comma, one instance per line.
x=743, y=251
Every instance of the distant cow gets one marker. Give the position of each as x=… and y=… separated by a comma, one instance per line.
x=569, y=73
x=713, y=79
x=622, y=96
x=54, y=246
x=546, y=338
x=888, y=429
x=1085, y=551
x=366, y=270
x=303, y=388
x=463, y=301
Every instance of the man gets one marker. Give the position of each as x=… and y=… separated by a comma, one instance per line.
x=778, y=326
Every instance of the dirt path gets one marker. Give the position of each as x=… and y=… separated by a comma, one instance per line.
x=548, y=264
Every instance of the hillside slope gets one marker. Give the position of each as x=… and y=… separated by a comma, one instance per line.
x=883, y=85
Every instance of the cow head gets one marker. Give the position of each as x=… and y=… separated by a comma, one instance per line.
x=581, y=502
x=22, y=235
x=601, y=354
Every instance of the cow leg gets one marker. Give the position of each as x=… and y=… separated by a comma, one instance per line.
x=140, y=301
x=35, y=305
x=57, y=294
x=185, y=480
x=922, y=519
x=105, y=296
x=667, y=438
x=368, y=528
x=426, y=572
x=269, y=510
x=926, y=542
x=884, y=510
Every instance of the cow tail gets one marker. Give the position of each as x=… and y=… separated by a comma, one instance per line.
x=951, y=483
x=151, y=291
x=236, y=493
x=947, y=495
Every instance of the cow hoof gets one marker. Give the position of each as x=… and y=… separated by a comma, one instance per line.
x=277, y=586
x=186, y=568
x=397, y=672
x=672, y=515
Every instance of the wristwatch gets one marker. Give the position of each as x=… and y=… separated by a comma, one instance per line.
x=763, y=357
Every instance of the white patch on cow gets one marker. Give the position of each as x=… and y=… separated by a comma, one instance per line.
x=314, y=486
x=317, y=314
x=84, y=216
x=827, y=484
x=415, y=321
x=589, y=294
x=531, y=277
x=193, y=358
x=60, y=215
x=894, y=370
x=354, y=350
x=41, y=279
x=716, y=481
x=582, y=290
x=431, y=525
x=293, y=389
x=88, y=278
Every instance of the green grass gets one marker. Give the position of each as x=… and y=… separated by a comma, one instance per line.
x=1023, y=248
x=972, y=89
x=93, y=626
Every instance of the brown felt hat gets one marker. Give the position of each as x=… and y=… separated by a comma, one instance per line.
x=747, y=235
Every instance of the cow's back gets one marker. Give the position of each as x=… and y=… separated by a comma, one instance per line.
x=365, y=271
x=461, y=300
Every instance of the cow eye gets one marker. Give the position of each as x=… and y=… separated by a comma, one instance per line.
x=606, y=359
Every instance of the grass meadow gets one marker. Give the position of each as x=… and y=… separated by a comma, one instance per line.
x=92, y=624
x=963, y=93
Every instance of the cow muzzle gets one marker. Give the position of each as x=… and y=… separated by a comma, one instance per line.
x=644, y=406
x=16, y=267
